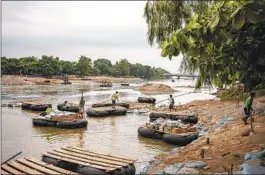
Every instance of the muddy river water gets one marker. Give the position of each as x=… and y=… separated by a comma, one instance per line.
x=116, y=135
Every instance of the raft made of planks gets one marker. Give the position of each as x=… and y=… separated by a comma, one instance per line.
x=101, y=161
x=30, y=165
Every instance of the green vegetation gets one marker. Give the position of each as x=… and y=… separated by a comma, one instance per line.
x=223, y=41
x=52, y=66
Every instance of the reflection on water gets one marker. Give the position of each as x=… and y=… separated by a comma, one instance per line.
x=112, y=134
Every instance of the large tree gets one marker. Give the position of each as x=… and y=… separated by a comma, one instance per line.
x=103, y=65
x=224, y=43
x=84, y=65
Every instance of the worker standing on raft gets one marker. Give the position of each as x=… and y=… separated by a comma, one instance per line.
x=114, y=97
x=248, y=106
x=82, y=105
x=171, y=102
x=47, y=111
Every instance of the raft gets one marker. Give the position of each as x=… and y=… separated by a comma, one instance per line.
x=125, y=105
x=175, y=139
x=146, y=100
x=106, y=111
x=125, y=84
x=34, y=106
x=70, y=121
x=186, y=118
x=67, y=82
x=70, y=107
x=105, y=85
x=89, y=162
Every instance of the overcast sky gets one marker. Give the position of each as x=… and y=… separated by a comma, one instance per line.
x=96, y=29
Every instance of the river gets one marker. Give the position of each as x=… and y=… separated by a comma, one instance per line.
x=116, y=135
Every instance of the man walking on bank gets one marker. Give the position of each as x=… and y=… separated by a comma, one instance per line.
x=248, y=107
x=114, y=97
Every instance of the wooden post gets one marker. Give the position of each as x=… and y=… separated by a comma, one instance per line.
x=251, y=122
x=202, y=153
x=208, y=140
x=231, y=170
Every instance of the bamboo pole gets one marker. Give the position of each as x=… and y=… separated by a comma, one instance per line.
x=11, y=157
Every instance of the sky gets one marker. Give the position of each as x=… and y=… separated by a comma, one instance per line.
x=69, y=29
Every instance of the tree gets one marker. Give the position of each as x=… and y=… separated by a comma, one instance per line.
x=224, y=43
x=123, y=67
x=84, y=65
x=103, y=65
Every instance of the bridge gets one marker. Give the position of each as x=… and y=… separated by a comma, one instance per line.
x=169, y=75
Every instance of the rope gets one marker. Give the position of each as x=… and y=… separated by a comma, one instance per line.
x=174, y=97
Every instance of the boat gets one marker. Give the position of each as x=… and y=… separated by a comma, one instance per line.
x=62, y=120
x=186, y=118
x=71, y=160
x=106, y=111
x=105, y=84
x=34, y=106
x=126, y=105
x=70, y=107
x=125, y=84
x=146, y=100
x=68, y=82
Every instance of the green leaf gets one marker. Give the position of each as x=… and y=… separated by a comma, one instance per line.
x=164, y=45
x=239, y=20
x=223, y=20
x=214, y=21
x=251, y=16
x=164, y=53
x=235, y=12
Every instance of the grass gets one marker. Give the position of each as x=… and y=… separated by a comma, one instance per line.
x=233, y=94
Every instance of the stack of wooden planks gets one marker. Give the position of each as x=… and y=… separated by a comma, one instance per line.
x=29, y=165
x=101, y=161
x=68, y=117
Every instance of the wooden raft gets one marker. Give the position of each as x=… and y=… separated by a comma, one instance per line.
x=30, y=165
x=105, y=162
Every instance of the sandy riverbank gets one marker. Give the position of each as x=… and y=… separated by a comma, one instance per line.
x=14, y=80
x=225, y=136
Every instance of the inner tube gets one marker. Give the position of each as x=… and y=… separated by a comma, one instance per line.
x=146, y=100
x=38, y=107
x=103, y=85
x=125, y=84
x=43, y=122
x=125, y=105
x=25, y=106
x=180, y=140
x=67, y=82
x=87, y=170
x=98, y=112
x=187, y=118
x=72, y=108
x=148, y=133
x=72, y=124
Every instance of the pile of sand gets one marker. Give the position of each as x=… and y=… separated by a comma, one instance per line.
x=156, y=87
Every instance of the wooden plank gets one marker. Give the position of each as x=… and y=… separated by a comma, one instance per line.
x=84, y=160
x=91, y=158
x=49, y=166
x=11, y=170
x=97, y=155
x=37, y=167
x=23, y=168
x=79, y=162
x=103, y=154
x=4, y=172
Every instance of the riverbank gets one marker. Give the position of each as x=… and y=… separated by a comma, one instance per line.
x=15, y=80
x=225, y=127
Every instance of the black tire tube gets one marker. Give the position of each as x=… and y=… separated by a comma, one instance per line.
x=178, y=139
x=93, y=113
x=145, y=132
x=61, y=164
x=42, y=122
x=59, y=106
x=146, y=100
x=86, y=170
x=25, y=106
x=105, y=85
x=71, y=124
x=157, y=135
x=50, y=160
x=38, y=107
x=70, y=108
x=126, y=105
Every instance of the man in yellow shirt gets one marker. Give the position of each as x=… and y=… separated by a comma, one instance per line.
x=47, y=111
x=114, y=97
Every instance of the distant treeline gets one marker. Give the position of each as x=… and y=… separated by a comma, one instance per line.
x=53, y=66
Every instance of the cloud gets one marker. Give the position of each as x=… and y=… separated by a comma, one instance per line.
x=110, y=29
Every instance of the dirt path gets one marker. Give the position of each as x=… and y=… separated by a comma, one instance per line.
x=225, y=137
